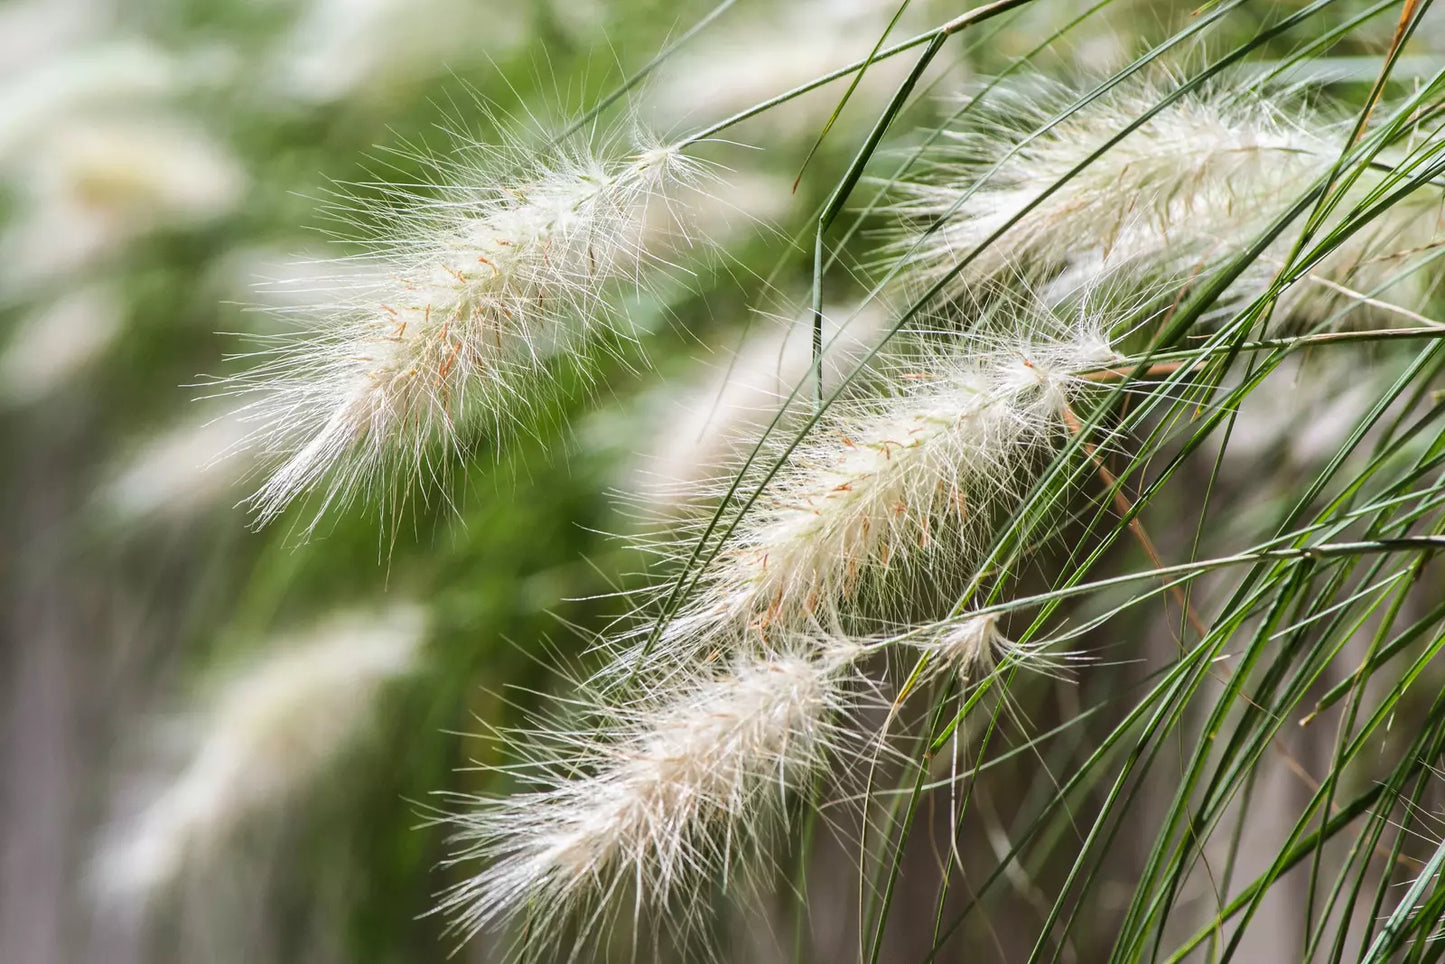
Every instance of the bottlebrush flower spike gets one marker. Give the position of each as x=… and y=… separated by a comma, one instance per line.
x=270, y=730
x=476, y=289
x=682, y=783
x=683, y=786
x=1193, y=184
x=887, y=480
x=685, y=783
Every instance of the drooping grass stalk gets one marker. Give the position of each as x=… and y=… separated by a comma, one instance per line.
x=678, y=786
x=1179, y=193
x=475, y=291
x=888, y=480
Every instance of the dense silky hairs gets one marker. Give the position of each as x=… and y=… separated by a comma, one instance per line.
x=1188, y=188
x=481, y=282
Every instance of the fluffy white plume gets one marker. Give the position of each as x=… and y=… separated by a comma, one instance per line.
x=682, y=785
x=886, y=480
x=475, y=290
x=1192, y=185
x=267, y=732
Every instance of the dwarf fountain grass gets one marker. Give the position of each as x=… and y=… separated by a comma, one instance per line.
x=635, y=806
x=1193, y=170
x=686, y=781
x=268, y=731
x=896, y=517
x=475, y=289
x=689, y=769
x=1187, y=188
x=901, y=478
x=890, y=477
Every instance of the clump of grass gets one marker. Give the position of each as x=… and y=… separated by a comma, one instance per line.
x=691, y=769
x=1053, y=230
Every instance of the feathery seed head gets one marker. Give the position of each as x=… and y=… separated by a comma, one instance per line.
x=1187, y=179
x=270, y=729
x=1188, y=187
x=473, y=293
x=687, y=783
x=886, y=481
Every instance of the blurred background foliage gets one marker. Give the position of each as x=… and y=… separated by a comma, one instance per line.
x=164, y=170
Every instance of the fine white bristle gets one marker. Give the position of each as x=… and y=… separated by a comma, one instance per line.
x=888, y=480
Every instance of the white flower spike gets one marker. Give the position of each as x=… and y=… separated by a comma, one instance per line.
x=475, y=291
